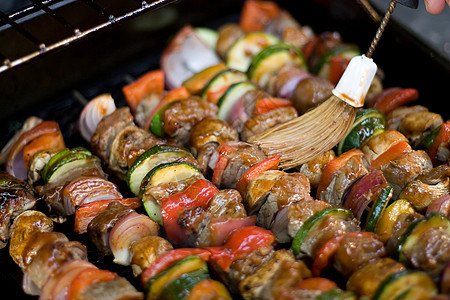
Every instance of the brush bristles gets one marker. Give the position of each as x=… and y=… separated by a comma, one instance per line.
x=303, y=138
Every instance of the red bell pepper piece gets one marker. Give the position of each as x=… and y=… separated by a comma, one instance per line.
x=337, y=67
x=392, y=98
x=267, y=104
x=88, y=211
x=317, y=284
x=333, y=166
x=86, y=278
x=256, y=14
x=241, y=243
x=198, y=194
x=325, y=255
x=150, y=83
x=222, y=162
x=221, y=228
x=270, y=163
x=169, y=258
x=390, y=154
x=441, y=140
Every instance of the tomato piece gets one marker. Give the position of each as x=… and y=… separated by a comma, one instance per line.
x=88, y=211
x=441, y=140
x=393, y=98
x=198, y=194
x=171, y=96
x=86, y=278
x=317, y=284
x=325, y=255
x=267, y=104
x=53, y=140
x=150, y=83
x=256, y=14
x=270, y=163
x=390, y=154
x=333, y=166
x=337, y=67
x=169, y=258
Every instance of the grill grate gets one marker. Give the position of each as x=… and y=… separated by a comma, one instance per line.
x=16, y=21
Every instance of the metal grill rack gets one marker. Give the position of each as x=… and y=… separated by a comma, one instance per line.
x=17, y=20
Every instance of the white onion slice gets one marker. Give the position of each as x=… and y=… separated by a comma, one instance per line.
x=93, y=113
x=128, y=230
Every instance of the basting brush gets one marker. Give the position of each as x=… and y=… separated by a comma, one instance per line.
x=303, y=138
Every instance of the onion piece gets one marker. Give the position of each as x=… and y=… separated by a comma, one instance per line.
x=287, y=90
x=280, y=226
x=29, y=287
x=93, y=113
x=15, y=164
x=184, y=56
x=127, y=231
x=221, y=228
x=57, y=286
x=441, y=205
x=88, y=189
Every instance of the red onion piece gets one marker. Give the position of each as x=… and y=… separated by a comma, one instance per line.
x=213, y=160
x=441, y=205
x=287, y=90
x=93, y=113
x=128, y=230
x=88, y=189
x=280, y=226
x=364, y=191
x=184, y=56
x=28, y=286
x=57, y=286
x=221, y=228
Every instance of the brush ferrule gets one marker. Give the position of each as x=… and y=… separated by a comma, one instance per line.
x=356, y=80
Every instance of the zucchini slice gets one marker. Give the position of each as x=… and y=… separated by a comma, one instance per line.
x=398, y=285
x=271, y=59
x=378, y=208
x=157, y=284
x=151, y=158
x=208, y=36
x=336, y=294
x=56, y=157
x=232, y=95
x=242, y=51
x=313, y=222
x=218, y=85
x=427, y=140
x=368, y=122
x=416, y=229
x=157, y=123
x=197, y=82
x=387, y=220
x=180, y=288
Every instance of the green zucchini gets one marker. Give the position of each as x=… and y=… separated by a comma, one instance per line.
x=336, y=294
x=416, y=229
x=398, y=285
x=427, y=140
x=220, y=83
x=157, y=123
x=55, y=158
x=71, y=162
x=368, y=122
x=378, y=208
x=233, y=94
x=181, y=287
x=312, y=222
x=208, y=36
x=242, y=51
x=271, y=59
x=148, y=160
x=157, y=284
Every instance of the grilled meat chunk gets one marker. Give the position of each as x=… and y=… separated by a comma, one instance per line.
x=239, y=162
x=311, y=92
x=420, y=194
x=100, y=227
x=129, y=138
x=395, y=117
x=16, y=196
x=204, y=156
x=117, y=289
x=300, y=211
x=314, y=168
x=353, y=169
x=212, y=130
x=146, y=251
x=406, y=168
x=379, y=143
x=356, y=250
x=227, y=35
x=248, y=102
x=182, y=115
x=416, y=125
x=260, y=123
x=400, y=226
x=107, y=130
